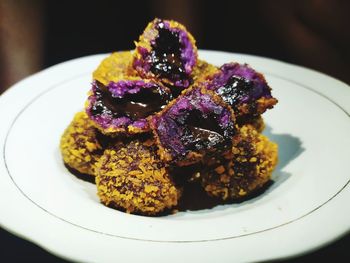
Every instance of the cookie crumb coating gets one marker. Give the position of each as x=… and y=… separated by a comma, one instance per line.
x=203, y=71
x=255, y=122
x=122, y=107
x=196, y=124
x=132, y=178
x=79, y=146
x=166, y=51
x=254, y=159
x=115, y=67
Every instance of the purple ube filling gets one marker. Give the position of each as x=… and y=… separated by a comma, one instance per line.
x=126, y=102
x=194, y=123
x=172, y=55
x=237, y=84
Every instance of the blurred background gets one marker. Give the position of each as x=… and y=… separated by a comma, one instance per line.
x=35, y=34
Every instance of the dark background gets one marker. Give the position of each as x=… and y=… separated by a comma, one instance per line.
x=36, y=34
x=14, y=249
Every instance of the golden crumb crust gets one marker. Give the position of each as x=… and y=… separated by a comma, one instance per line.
x=79, y=146
x=202, y=71
x=260, y=106
x=132, y=178
x=114, y=68
x=254, y=159
x=255, y=122
x=150, y=33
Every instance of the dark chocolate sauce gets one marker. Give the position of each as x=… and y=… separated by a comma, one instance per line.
x=199, y=134
x=176, y=91
x=236, y=90
x=166, y=55
x=135, y=106
x=203, y=132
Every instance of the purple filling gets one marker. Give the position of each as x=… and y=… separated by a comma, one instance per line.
x=172, y=56
x=126, y=102
x=237, y=84
x=195, y=123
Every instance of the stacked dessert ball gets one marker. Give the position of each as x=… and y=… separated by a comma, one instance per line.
x=159, y=109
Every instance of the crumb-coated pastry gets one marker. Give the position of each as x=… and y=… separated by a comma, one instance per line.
x=166, y=51
x=196, y=124
x=255, y=122
x=254, y=159
x=203, y=71
x=115, y=67
x=244, y=89
x=122, y=107
x=132, y=178
x=79, y=145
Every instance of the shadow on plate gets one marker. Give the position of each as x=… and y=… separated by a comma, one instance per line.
x=289, y=147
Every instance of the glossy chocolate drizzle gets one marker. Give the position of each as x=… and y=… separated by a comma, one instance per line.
x=166, y=55
x=236, y=90
x=203, y=132
x=135, y=106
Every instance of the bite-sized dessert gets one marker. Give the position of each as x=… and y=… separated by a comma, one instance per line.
x=196, y=124
x=80, y=147
x=115, y=67
x=166, y=51
x=122, y=107
x=254, y=159
x=244, y=89
x=131, y=177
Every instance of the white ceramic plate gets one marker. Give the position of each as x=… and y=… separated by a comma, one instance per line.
x=305, y=208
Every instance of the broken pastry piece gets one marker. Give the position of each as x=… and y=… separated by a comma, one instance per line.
x=167, y=52
x=79, y=145
x=254, y=159
x=196, y=124
x=122, y=107
x=132, y=178
x=244, y=89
